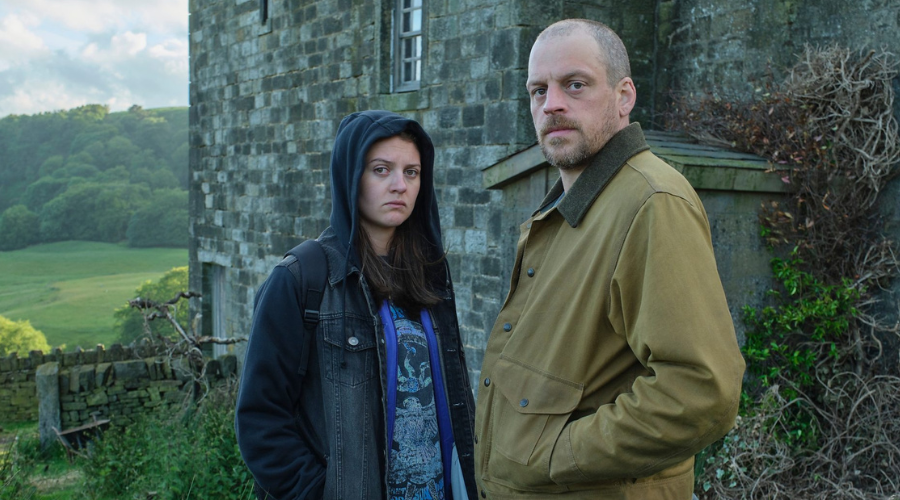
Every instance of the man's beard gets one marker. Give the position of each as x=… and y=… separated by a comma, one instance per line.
x=582, y=149
x=568, y=158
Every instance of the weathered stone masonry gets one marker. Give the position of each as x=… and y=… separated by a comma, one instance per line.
x=266, y=99
x=119, y=384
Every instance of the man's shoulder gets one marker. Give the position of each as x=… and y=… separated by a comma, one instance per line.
x=657, y=176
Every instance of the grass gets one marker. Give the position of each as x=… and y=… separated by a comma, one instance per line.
x=46, y=474
x=69, y=290
x=187, y=454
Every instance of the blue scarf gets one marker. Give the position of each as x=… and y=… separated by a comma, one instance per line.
x=440, y=398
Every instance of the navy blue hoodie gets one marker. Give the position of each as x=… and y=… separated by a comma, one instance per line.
x=356, y=135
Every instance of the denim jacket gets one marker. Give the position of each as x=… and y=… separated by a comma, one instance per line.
x=323, y=434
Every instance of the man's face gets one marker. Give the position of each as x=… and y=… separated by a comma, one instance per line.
x=575, y=110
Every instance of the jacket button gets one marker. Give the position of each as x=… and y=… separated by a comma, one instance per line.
x=523, y=403
x=487, y=382
x=353, y=341
x=530, y=272
x=476, y=438
x=507, y=327
x=483, y=494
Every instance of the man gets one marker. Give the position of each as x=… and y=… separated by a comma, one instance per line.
x=613, y=360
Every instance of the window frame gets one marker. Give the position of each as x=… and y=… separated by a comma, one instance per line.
x=400, y=36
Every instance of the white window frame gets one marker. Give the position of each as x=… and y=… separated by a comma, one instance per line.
x=409, y=44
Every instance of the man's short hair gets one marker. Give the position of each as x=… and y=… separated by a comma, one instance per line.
x=612, y=50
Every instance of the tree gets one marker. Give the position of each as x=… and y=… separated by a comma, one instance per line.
x=92, y=211
x=19, y=227
x=130, y=322
x=44, y=190
x=20, y=336
x=51, y=165
x=87, y=142
x=74, y=170
x=163, y=222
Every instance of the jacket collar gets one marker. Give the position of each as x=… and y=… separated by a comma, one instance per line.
x=603, y=166
x=338, y=265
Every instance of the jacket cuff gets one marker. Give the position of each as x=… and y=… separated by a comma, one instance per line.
x=563, y=469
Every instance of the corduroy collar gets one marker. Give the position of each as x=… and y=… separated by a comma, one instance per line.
x=626, y=143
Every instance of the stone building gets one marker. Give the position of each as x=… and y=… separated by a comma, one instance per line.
x=270, y=81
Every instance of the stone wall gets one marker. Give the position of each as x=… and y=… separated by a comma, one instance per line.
x=267, y=97
x=266, y=101
x=117, y=384
x=18, y=397
x=732, y=43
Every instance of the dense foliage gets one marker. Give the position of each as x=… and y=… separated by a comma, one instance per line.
x=130, y=322
x=193, y=455
x=19, y=461
x=85, y=173
x=19, y=226
x=190, y=453
x=161, y=222
x=20, y=336
x=820, y=414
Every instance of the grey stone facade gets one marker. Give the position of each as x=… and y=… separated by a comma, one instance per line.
x=733, y=43
x=266, y=99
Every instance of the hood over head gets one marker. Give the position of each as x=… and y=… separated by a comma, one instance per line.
x=356, y=135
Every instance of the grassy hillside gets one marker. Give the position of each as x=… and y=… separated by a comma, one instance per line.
x=69, y=290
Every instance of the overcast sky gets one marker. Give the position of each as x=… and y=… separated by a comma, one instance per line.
x=60, y=54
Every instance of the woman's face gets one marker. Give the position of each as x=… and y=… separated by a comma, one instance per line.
x=388, y=188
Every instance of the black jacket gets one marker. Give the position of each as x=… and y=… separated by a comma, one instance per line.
x=323, y=434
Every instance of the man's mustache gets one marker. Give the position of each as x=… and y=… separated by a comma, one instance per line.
x=557, y=122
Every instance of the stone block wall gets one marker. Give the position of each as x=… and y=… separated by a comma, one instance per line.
x=267, y=97
x=266, y=101
x=732, y=43
x=119, y=384
x=18, y=396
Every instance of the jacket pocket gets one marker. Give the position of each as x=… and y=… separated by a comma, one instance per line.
x=527, y=420
x=349, y=352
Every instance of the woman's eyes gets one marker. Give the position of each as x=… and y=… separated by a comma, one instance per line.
x=409, y=172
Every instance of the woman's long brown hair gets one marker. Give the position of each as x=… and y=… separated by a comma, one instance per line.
x=406, y=275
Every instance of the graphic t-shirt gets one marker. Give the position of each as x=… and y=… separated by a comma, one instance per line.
x=416, y=470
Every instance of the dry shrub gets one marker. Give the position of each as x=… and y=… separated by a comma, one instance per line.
x=830, y=131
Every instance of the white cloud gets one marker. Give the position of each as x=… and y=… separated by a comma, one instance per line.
x=17, y=41
x=121, y=47
x=98, y=16
x=59, y=54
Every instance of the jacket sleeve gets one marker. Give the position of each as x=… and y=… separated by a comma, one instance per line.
x=267, y=429
x=668, y=302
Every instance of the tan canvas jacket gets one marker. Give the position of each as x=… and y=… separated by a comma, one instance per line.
x=614, y=359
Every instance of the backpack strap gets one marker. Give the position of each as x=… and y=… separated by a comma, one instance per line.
x=308, y=264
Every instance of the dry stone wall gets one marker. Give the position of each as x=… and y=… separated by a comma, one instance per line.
x=119, y=384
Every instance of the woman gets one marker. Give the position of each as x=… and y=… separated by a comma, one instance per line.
x=384, y=404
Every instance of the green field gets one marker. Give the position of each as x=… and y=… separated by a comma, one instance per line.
x=69, y=290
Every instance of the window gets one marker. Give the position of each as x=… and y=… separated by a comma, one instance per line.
x=263, y=11
x=213, y=323
x=408, y=45
x=265, y=18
